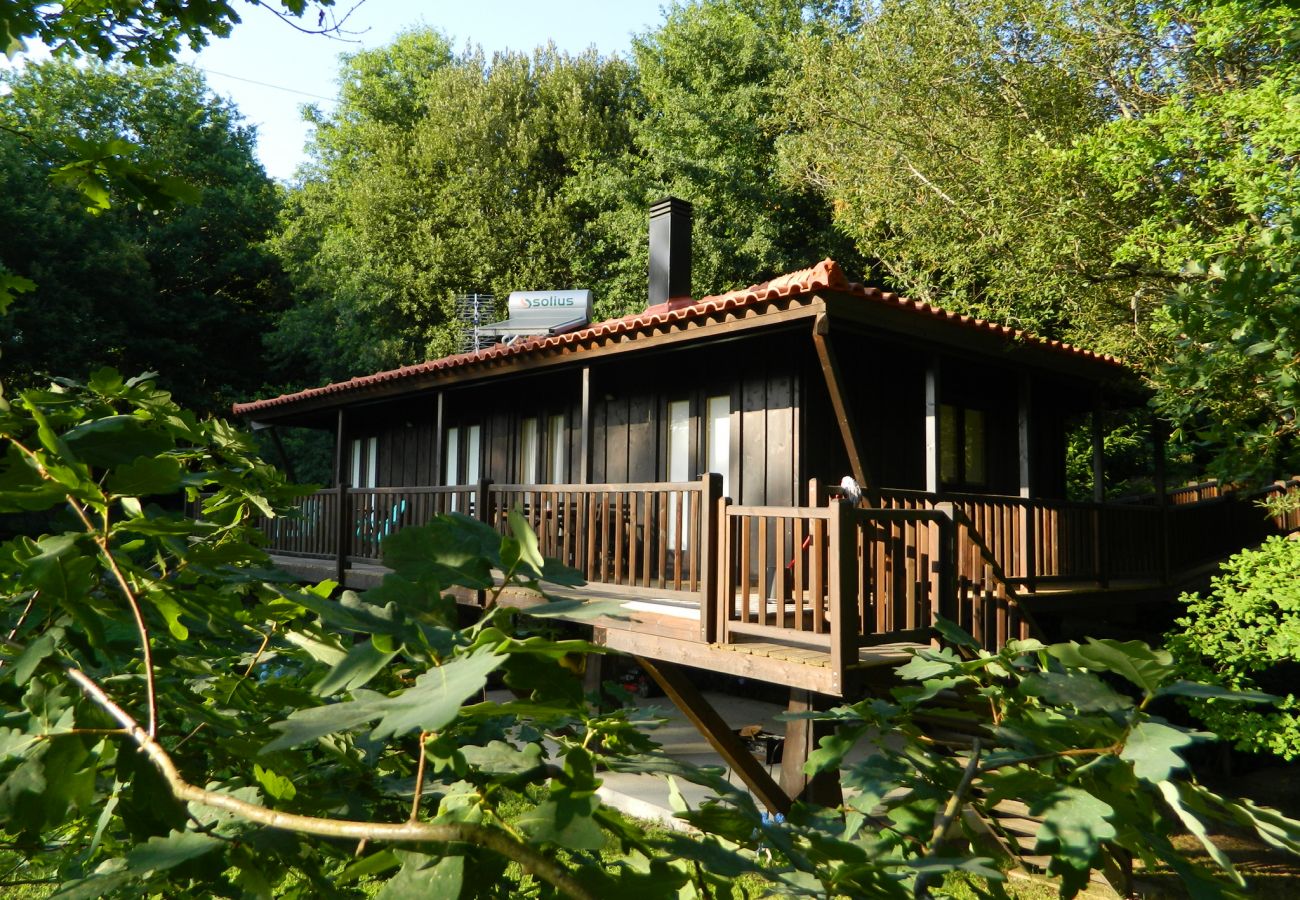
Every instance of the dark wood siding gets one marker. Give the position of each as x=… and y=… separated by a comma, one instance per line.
x=783, y=430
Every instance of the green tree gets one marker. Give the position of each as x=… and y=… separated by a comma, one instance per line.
x=1116, y=173
x=187, y=290
x=943, y=134
x=710, y=79
x=440, y=174
x=1213, y=168
x=134, y=31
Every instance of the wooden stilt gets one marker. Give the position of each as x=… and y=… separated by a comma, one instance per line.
x=720, y=736
x=801, y=737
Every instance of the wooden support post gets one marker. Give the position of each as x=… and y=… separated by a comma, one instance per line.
x=801, y=738
x=593, y=672
x=1162, y=495
x=284, y=457
x=1025, y=424
x=340, y=449
x=1098, y=456
x=717, y=732
x=343, y=524
x=1099, y=530
x=947, y=607
x=843, y=594
x=840, y=403
x=342, y=520
x=711, y=525
x=584, y=426
x=932, y=436
x=483, y=511
x=439, y=465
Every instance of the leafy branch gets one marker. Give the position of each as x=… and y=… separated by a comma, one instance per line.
x=411, y=831
x=101, y=541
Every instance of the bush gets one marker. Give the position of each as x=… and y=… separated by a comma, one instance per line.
x=1246, y=635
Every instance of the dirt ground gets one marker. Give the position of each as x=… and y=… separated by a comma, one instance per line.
x=1270, y=874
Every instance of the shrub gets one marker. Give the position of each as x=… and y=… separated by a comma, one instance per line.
x=1245, y=634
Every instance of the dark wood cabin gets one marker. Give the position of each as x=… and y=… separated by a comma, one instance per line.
x=681, y=458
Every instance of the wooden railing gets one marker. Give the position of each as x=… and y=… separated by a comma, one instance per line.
x=379, y=512
x=840, y=578
x=321, y=528
x=311, y=530
x=985, y=600
x=827, y=578
x=1208, y=530
x=1036, y=540
x=639, y=535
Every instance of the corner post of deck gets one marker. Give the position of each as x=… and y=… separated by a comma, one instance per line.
x=711, y=514
x=483, y=500
x=342, y=527
x=483, y=509
x=1162, y=494
x=1025, y=427
x=947, y=600
x=843, y=599
x=724, y=594
x=342, y=518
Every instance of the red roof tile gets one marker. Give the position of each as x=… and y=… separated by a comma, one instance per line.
x=826, y=275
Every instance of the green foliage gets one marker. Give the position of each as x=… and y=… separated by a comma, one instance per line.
x=135, y=286
x=135, y=31
x=1059, y=165
x=181, y=719
x=710, y=79
x=1070, y=730
x=1233, y=379
x=1129, y=458
x=439, y=174
x=1245, y=634
x=943, y=134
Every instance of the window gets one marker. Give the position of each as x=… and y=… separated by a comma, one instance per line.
x=528, y=451
x=717, y=439
x=556, y=457
x=962, y=449
x=473, y=469
x=679, y=456
x=679, y=440
x=451, y=458
x=364, y=462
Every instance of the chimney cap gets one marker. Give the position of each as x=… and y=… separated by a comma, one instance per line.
x=670, y=205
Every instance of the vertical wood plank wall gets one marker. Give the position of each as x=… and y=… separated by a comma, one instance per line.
x=764, y=378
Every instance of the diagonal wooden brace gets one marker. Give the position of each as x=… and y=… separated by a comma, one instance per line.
x=726, y=742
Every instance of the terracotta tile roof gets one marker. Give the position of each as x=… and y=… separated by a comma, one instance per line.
x=826, y=275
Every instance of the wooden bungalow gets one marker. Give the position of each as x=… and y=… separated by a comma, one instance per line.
x=680, y=456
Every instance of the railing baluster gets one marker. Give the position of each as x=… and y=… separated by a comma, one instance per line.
x=744, y=568
x=799, y=551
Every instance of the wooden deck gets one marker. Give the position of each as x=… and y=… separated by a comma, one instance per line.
x=810, y=597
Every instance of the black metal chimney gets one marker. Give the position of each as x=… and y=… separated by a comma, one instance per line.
x=670, y=251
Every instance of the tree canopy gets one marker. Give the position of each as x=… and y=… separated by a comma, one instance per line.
x=1119, y=174
x=135, y=285
x=134, y=31
x=443, y=173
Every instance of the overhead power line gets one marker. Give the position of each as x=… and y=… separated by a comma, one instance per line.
x=275, y=87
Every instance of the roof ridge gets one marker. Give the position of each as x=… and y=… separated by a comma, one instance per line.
x=825, y=275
